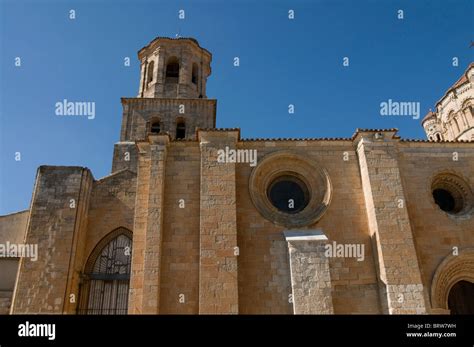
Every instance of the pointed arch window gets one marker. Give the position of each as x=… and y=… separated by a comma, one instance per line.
x=106, y=279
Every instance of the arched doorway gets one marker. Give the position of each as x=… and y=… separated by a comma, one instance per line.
x=461, y=298
x=452, y=287
x=106, y=278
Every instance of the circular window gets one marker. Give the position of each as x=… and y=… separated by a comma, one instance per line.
x=288, y=194
x=446, y=201
x=452, y=194
x=290, y=190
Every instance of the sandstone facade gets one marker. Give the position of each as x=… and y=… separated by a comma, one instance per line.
x=454, y=115
x=173, y=229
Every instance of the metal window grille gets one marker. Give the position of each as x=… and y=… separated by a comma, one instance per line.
x=105, y=288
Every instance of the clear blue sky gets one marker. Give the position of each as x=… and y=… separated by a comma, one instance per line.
x=282, y=62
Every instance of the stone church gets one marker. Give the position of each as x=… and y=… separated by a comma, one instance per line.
x=186, y=224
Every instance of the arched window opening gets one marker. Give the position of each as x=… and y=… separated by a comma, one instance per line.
x=155, y=127
x=444, y=199
x=151, y=67
x=452, y=194
x=438, y=137
x=288, y=194
x=172, y=68
x=105, y=283
x=195, y=73
x=468, y=110
x=457, y=125
x=461, y=298
x=180, y=129
x=431, y=138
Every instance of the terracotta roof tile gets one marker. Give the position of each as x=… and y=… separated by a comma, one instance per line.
x=463, y=79
x=218, y=129
x=359, y=130
x=298, y=139
x=433, y=141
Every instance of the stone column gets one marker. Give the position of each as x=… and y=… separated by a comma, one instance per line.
x=57, y=227
x=148, y=226
x=218, y=288
x=389, y=223
x=161, y=71
x=310, y=276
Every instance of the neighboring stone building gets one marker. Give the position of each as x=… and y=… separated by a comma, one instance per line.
x=186, y=223
x=454, y=116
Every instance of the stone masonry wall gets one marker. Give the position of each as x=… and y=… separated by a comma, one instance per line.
x=125, y=156
x=310, y=274
x=58, y=229
x=401, y=287
x=436, y=233
x=145, y=281
x=112, y=205
x=180, y=260
x=184, y=259
x=218, y=285
x=12, y=230
x=264, y=273
x=138, y=113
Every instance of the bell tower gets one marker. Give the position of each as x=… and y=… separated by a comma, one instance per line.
x=171, y=97
x=174, y=68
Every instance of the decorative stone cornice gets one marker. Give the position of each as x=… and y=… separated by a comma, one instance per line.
x=305, y=235
x=160, y=39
